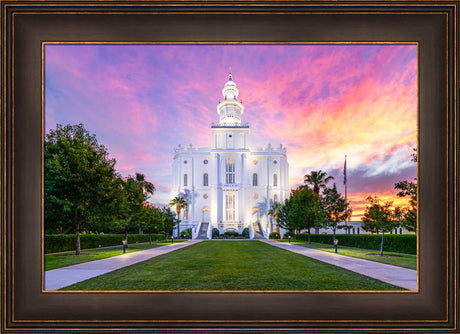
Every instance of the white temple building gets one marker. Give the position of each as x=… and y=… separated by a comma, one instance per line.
x=230, y=185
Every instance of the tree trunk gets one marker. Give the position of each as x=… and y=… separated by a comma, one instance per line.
x=381, y=244
x=309, y=241
x=77, y=240
x=126, y=237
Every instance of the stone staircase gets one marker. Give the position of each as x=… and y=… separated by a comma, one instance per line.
x=203, y=233
x=257, y=231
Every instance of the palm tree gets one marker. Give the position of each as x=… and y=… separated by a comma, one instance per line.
x=180, y=203
x=275, y=212
x=318, y=180
x=147, y=187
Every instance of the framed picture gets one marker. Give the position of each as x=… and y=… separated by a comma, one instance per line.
x=30, y=27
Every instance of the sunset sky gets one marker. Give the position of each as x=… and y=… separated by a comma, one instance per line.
x=320, y=101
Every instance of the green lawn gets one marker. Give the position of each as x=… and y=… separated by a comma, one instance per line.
x=396, y=259
x=231, y=265
x=54, y=261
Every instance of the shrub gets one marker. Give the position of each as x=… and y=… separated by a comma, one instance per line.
x=186, y=234
x=274, y=235
x=287, y=234
x=215, y=232
x=66, y=242
x=400, y=243
x=245, y=233
x=231, y=234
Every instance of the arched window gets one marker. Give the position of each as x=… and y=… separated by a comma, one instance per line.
x=185, y=180
x=230, y=206
x=254, y=179
x=275, y=180
x=205, y=217
x=275, y=199
x=205, y=179
x=230, y=171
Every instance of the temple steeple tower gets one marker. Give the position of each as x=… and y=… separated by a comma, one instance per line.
x=230, y=109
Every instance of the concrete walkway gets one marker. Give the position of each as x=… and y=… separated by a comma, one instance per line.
x=58, y=278
x=402, y=277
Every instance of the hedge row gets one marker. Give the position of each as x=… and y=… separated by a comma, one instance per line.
x=400, y=243
x=66, y=242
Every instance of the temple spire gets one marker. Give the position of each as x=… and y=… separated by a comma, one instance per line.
x=230, y=109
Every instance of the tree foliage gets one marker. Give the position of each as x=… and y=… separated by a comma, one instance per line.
x=82, y=189
x=180, y=204
x=281, y=214
x=335, y=209
x=132, y=196
x=168, y=221
x=79, y=180
x=304, y=209
x=409, y=189
x=317, y=180
x=379, y=217
x=151, y=219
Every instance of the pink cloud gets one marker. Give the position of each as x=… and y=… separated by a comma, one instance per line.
x=322, y=102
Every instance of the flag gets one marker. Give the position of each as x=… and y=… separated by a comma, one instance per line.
x=345, y=171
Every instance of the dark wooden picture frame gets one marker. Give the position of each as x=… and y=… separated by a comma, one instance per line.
x=26, y=25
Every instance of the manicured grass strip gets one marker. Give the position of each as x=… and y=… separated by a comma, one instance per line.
x=232, y=265
x=396, y=259
x=54, y=261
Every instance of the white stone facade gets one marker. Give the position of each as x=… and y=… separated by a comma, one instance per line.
x=230, y=185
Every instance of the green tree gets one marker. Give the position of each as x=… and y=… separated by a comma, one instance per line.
x=304, y=209
x=275, y=212
x=317, y=180
x=135, y=191
x=79, y=180
x=406, y=188
x=334, y=208
x=281, y=214
x=168, y=221
x=180, y=204
x=152, y=219
x=379, y=217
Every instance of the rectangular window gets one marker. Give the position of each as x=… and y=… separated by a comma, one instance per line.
x=185, y=180
x=275, y=180
x=230, y=206
x=230, y=171
x=205, y=179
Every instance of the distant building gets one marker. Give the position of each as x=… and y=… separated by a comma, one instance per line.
x=230, y=185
